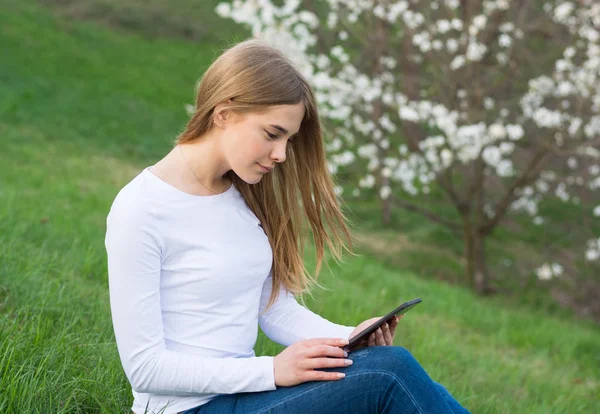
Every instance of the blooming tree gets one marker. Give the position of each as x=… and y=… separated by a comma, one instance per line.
x=493, y=103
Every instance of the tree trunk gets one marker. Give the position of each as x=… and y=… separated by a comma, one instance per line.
x=477, y=273
x=378, y=42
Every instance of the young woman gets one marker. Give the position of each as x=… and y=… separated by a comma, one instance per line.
x=207, y=244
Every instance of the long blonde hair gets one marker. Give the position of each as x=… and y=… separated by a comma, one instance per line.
x=254, y=76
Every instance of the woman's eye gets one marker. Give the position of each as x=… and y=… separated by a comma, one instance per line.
x=273, y=136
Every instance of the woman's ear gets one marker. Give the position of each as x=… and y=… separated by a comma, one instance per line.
x=219, y=119
x=220, y=114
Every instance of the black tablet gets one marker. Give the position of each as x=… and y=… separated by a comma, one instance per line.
x=405, y=307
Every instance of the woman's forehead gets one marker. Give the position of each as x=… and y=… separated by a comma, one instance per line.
x=288, y=116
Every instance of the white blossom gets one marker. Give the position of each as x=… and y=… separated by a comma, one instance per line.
x=367, y=182
x=574, y=126
x=457, y=24
x=409, y=114
x=452, y=4
x=549, y=271
x=561, y=192
x=480, y=21
x=443, y=26
x=475, y=51
x=488, y=103
x=504, y=168
x=593, y=250
x=223, y=10
x=497, y=131
x=492, y=155
x=385, y=192
x=546, y=118
x=560, y=105
x=544, y=272
x=563, y=10
x=504, y=40
x=458, y=62
x=345, y=158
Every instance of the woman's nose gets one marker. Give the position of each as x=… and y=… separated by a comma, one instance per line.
x=278, y=153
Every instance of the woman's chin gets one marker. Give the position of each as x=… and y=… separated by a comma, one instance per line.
x=251, y=178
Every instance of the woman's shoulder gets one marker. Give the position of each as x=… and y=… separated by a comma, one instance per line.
x=133, y=199
x=132, y=218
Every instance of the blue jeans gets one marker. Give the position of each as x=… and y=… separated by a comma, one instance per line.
x=382, y=379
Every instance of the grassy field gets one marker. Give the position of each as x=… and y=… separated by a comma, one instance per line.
x=82, y=110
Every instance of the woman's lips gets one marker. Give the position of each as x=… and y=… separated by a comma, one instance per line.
x=265, y=169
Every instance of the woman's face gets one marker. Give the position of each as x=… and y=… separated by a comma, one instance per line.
x=255, y=140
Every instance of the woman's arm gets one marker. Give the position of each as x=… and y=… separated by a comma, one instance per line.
x=134, y=257
x=287, y=322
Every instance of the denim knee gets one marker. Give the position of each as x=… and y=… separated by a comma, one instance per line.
x=391, y=359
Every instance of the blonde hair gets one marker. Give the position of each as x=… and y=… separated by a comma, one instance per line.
x=254, y=76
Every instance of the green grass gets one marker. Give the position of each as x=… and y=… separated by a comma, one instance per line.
x=187, y=19
x=82, y=110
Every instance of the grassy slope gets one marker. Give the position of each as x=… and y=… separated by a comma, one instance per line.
x=81, y=111
x=516, y=249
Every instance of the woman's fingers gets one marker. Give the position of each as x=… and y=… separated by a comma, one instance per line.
x=324, y=349
x=382, y=339
x=384, y=336
x=379, y=340
x=371, y=341
x=315, y=363
x=387, y=334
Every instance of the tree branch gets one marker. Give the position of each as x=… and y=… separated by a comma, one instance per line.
x=528, y=176
x=424, y=212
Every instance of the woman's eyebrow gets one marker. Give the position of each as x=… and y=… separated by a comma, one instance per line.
x=282, y=129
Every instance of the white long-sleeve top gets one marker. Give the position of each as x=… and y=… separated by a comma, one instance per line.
x=188, y=277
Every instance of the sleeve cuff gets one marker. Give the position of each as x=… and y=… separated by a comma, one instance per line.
x=266, y=368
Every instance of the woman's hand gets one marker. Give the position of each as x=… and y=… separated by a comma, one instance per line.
x=383, y=336
x=297, y=363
